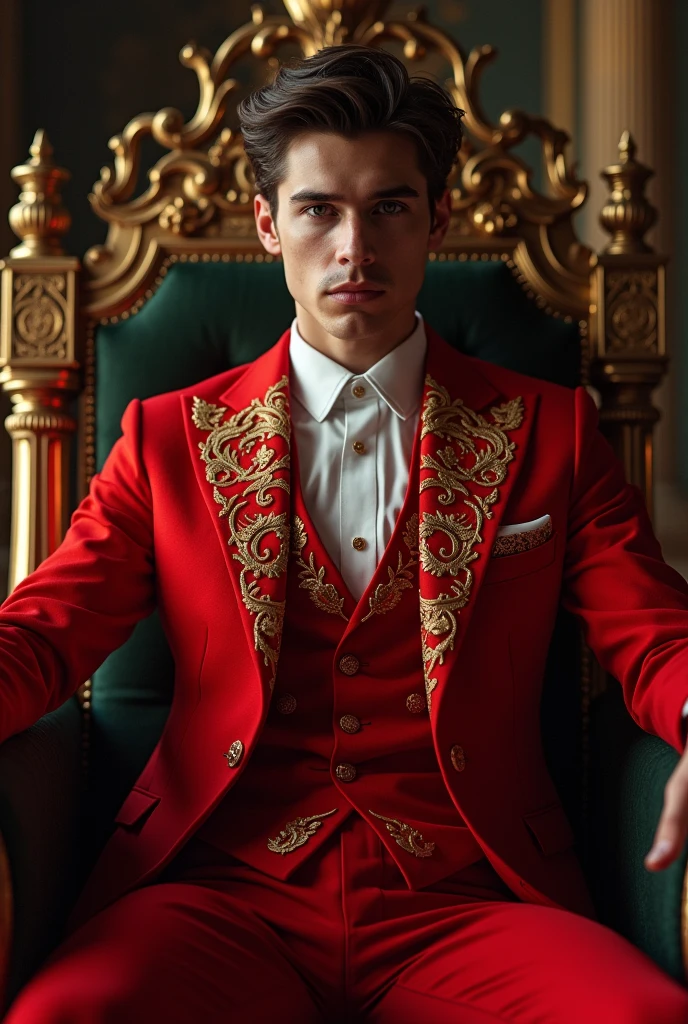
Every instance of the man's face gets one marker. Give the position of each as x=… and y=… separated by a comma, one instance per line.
x=353, y=212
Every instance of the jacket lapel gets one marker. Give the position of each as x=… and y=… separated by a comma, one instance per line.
x=472, y=448
x=241, y=454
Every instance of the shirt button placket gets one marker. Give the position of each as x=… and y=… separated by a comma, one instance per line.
x=359, y=486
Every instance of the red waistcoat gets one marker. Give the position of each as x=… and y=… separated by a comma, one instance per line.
x=348, y=729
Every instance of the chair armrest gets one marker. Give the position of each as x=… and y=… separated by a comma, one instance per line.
x=40, y=797
x=629, y=770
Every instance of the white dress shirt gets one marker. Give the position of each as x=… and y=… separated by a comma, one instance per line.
x=354, y=436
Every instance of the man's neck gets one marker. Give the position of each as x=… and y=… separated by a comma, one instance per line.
x=355, y=354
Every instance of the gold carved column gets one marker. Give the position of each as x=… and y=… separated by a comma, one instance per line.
x=628, y=319
x=624, y=66
x=38, y=356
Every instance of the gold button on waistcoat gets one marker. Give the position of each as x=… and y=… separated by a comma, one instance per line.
x=359, y=543
x=234, y=753
x=458, y=758
x=349, y=723
x=358, y=447
x=345, y=772
x=416, y=703
x=286, y=704
x=358, y=391
x=349, y=665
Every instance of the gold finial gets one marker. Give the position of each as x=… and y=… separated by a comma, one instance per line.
x=39, y=218
x=335, y=21
x=627, y=214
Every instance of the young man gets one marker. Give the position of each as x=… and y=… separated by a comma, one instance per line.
x=349, y=817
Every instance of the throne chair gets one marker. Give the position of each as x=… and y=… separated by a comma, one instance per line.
x=182, y=290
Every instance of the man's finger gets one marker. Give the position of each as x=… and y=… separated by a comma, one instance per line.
x=671, y=831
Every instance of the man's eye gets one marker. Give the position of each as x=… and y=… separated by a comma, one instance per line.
x=387, y=203
x=317, y=211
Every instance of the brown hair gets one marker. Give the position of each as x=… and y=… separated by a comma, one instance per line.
x=349, y=90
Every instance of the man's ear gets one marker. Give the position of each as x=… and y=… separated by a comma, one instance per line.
x=265, y=226
x=441, y=221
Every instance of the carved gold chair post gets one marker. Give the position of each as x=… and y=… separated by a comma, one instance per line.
x=38, y=339
x=628, y=310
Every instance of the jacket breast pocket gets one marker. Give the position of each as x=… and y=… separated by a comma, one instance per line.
x=510, y=567
x=550, y=829
x=137, y=807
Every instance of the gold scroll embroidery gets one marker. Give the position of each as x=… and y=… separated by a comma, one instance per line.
x=323, y=595
x=297, y=832
x=406, y=837
x=388, y=595
x=227, y=443
x=478, y=453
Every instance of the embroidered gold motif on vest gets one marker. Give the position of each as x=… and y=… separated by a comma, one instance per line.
x=406, y=837
x=297, y=832
x=222, y=451
x=388, y=595
x=478, y=453
x=323, y=595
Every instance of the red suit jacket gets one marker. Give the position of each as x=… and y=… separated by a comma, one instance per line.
x=191, y=512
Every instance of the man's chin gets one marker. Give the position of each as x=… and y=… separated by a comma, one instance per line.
x=352, y=322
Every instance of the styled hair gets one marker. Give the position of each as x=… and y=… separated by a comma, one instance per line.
x=349, y=90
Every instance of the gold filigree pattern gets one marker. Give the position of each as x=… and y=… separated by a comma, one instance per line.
x=41, y=314
x=297, y=832
x=388, y=595
x=324, y=596
x=478, y=453
x=229, y=442
x=407, y=837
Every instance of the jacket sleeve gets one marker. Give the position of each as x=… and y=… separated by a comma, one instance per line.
x=634, y=607
x=83, y=601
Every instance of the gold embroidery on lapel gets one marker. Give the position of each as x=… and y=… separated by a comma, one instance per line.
x=478, y=453
x=388, y=595
x=323, y=595
x=259, y=422
x=297, y=832
x=406, y=837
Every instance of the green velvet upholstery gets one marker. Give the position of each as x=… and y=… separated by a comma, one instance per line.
x=207, y=317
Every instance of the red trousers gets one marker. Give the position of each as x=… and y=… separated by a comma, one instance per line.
x=343, y=940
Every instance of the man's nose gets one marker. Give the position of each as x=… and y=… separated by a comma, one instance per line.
x=354, y=243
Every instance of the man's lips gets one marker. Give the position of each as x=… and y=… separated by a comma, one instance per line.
x=355, y=293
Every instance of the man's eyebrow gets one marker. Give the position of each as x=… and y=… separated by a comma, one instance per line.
x=306, y=195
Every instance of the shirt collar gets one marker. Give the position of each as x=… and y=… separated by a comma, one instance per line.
x=317, y=381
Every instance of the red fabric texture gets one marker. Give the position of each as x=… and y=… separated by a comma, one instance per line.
x=292, y=770
x=343, y=940
x=151, y=533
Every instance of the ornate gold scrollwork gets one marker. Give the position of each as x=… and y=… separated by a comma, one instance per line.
x=478, y=453
x=229, y=441
x=324, y=596
x=202, y=186
x=41, y=315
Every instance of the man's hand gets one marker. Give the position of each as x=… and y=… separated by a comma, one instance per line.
x=673, y=822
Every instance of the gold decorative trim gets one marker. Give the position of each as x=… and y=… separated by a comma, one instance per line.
x=324, y=596
x=405, y=836
x=297, y=832
x=201, y=188
x=388, y=595
x=455, y=422
x=221, y=451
